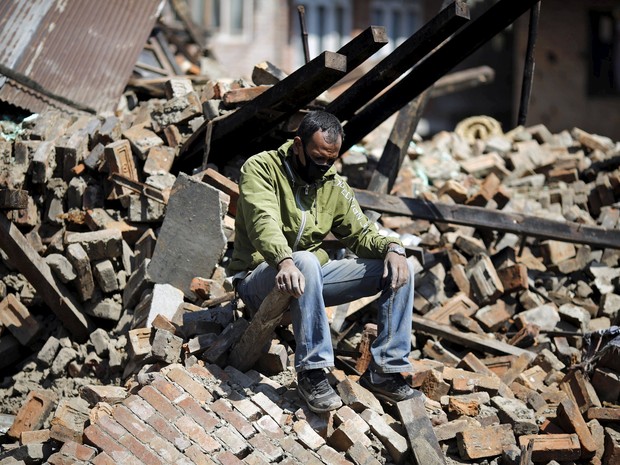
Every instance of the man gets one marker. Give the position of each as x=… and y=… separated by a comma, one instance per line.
x=289, y=200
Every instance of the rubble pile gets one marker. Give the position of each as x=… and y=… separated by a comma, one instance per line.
x=515, y=337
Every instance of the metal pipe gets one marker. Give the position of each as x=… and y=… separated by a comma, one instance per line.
x=528, y=69
x=304, y=32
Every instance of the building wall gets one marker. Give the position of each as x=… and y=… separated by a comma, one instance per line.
x=560, y=97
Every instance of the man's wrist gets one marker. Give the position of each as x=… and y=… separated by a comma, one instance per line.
x=397, y=249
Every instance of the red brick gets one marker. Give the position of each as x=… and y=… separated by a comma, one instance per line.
x=476, y=443
x=197, y=433
x=103, y=459
x=547, y=447
x=142, y=452
x=269, y=427
x=95, y=436
x=570, y=419
x=16, y=318
x=168, y=389
x=198, y=456
x=144, y=411
x=235, y=419
x=265, y=446
x=159, y=402
x=198, y=413
x=332, y=456
x=111, y=426
x=78, y=451
x=228, y=458
x=34, y=437
x=184, y=379
x=147, y=434
x=33, y=413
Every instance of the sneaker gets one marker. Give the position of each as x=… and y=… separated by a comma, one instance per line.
x=314, y=388
x=392, y=387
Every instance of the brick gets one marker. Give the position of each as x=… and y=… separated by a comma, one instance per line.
x=119, y=160
x=69, y=419
x=197, y=456
x=570, y=419
x=197, y=433
x=332, y=456
x=555, y=252
x=490, y=441
x=559, y=447
x=395, y=443
x=103, y=459
x=307, y=436
x=98, y=245
x=198, y=413
x=493, y=317
x=247, y=408
x=255, y=458
x=486, y=286
x=95, y=436
x=145, y=411
x=165, y=346
x=235, y=419
x=346, y=435
x=612, y=446
x=360, y=454
x=180, y=375
x=533, y=378
x=299, y=452
x=604, y=414
x=34, y=412
x=514, y=277
x=345, y=413
x=434, y=386
x=79, y=451
x=15, y=317
x=110, y=426
x=228, y=458
x=140, y=451
x=232, y=440
x=141, y=140
x=580, y=390
x=529, y=396
x=159, y=402
x=517, y=414
x=266, y=447
x=269, y=427
x=446, y=431
x=269, y=407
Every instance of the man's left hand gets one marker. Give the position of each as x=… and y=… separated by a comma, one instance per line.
x=397, y=264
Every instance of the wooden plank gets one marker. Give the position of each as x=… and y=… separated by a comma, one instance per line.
x=469, y=340
x=454, y=50
x=489, y=219
x=406, y=55
x=38, y=273
x=247, y=350
x=424, y=443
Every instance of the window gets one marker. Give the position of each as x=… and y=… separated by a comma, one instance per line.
x=604, y=76
x=328, y=23
x=401, y=18
x=227, y=18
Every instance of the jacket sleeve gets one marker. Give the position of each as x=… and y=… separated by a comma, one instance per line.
x=261, y=211
x=354, y=229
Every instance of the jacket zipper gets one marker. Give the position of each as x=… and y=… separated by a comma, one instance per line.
x=303, y=217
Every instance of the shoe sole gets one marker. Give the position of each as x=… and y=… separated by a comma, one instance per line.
x=318, y=409
x=379, y=395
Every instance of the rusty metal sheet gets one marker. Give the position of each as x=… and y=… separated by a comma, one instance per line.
x=83, y=51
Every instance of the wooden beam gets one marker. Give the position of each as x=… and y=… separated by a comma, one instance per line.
x=406, y=55
x=480, y=217
x=424, y=444
x=248, y=349
x=469, y=340
x=454, y=50
x=38, y=273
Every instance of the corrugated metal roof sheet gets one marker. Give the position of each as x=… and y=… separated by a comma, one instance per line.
x=81, y=50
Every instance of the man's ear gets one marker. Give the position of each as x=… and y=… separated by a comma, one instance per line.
x=297, y=145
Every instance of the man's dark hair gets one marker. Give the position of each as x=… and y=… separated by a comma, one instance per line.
x=320, y=121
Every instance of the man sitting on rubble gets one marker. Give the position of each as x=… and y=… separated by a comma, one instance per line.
x=289, y=200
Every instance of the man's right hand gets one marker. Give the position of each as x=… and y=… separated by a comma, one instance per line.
x=289, y=279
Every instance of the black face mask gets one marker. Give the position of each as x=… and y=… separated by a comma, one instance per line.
x=312, y=171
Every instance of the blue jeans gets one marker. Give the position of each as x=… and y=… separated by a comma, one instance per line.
x=335, y=283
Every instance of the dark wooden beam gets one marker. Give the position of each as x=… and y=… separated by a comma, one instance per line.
x=231, y=135
x=454, y=50
x=480, y=217
x=405, y=56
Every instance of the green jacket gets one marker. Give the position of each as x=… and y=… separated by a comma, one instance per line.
x=278, y=213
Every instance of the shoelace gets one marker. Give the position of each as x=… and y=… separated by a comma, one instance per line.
x=319, y=382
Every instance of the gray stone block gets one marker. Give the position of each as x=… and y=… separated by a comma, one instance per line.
x=106, y=276
x=61, y=267
x=99, y=245
x=191, y=241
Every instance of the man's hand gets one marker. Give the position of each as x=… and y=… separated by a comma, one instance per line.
x=397, y=264
x=289, y=279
